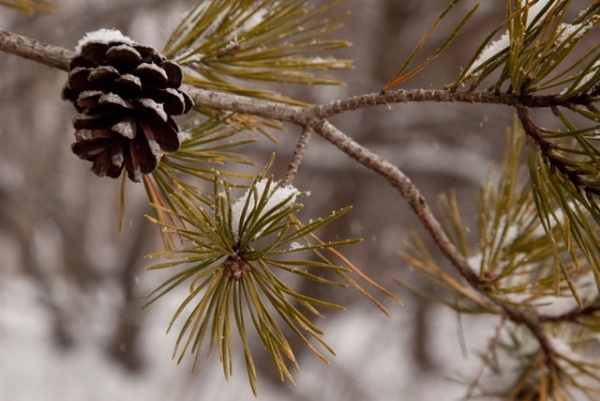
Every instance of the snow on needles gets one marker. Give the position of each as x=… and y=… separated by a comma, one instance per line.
x=551, y=305
x=278, y=197
x=103, y=36
x=503, y=43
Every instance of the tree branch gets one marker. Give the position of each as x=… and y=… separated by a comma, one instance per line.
x=50, y=55
x=405, y=187
x=549, y=150
x=421, y=95
x=298, y=155
x=58, y=57
x=313, y=118
x=573, y=315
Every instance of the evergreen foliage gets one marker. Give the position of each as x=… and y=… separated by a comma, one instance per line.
x=236, y=251
x=537, y=259
x=273, y=42
x=239, y=260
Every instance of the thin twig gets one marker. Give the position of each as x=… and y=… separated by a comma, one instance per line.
x=314, y=118
x=549, y=150
x=298, y=155
x=592, y=311
x=58, y=57
x=533, y=322
x=445, y=96
x=298, y=115
x=32, y=49
x=405, y=187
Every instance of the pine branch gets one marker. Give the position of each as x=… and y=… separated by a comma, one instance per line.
x=298, y=155
x=533, y=322
x=50, y=55
x=313, y=118
x=548, y=150
x=573, y=315
x=446, y=96
x=405, y=187
x=303, y=116
x=58, y=57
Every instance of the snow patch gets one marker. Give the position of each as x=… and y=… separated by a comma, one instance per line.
x=184, y=136
x=278, y=197
x=490, y=51
x=103, y=36
x=536, y=9
x=590, y=75
x=553, y=306
x=496, y=47
x=475, y=263
x=295, y=245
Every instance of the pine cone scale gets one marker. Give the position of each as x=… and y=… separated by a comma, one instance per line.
x=144, y=157
x=172, y=100
x=102, y=77
x=175, y=77
x=81, y=122
x=125, y=94
x=126, y=128
x=151, y=74
x=123, y=57
x=129, y=85
x=161, y=132
x=150, y=107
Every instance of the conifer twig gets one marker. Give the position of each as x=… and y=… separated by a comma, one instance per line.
x=304, y=116
x=313, y=119
x=298, y=155
x=548, y=150
x=58, y=57
x=405, y=187
x=573, y=315
x=22, y=46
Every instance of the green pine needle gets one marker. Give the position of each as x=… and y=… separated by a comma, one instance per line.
x=238, y=259
x=206, y=149
x=221, y=42
x=518, y=219
x=537, y=245
x=533, y=55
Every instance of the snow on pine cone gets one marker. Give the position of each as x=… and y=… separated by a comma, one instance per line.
x=125, y=94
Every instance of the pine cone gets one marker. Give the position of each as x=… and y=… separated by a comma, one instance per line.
x=125, y=95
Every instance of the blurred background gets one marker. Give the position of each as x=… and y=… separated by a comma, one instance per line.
x=71, y=327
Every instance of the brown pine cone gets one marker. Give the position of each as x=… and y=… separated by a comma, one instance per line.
x=125, y=94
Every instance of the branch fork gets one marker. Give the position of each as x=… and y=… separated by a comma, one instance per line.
x=313, y=119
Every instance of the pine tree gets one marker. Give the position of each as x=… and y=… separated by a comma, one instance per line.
x=238, y=246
